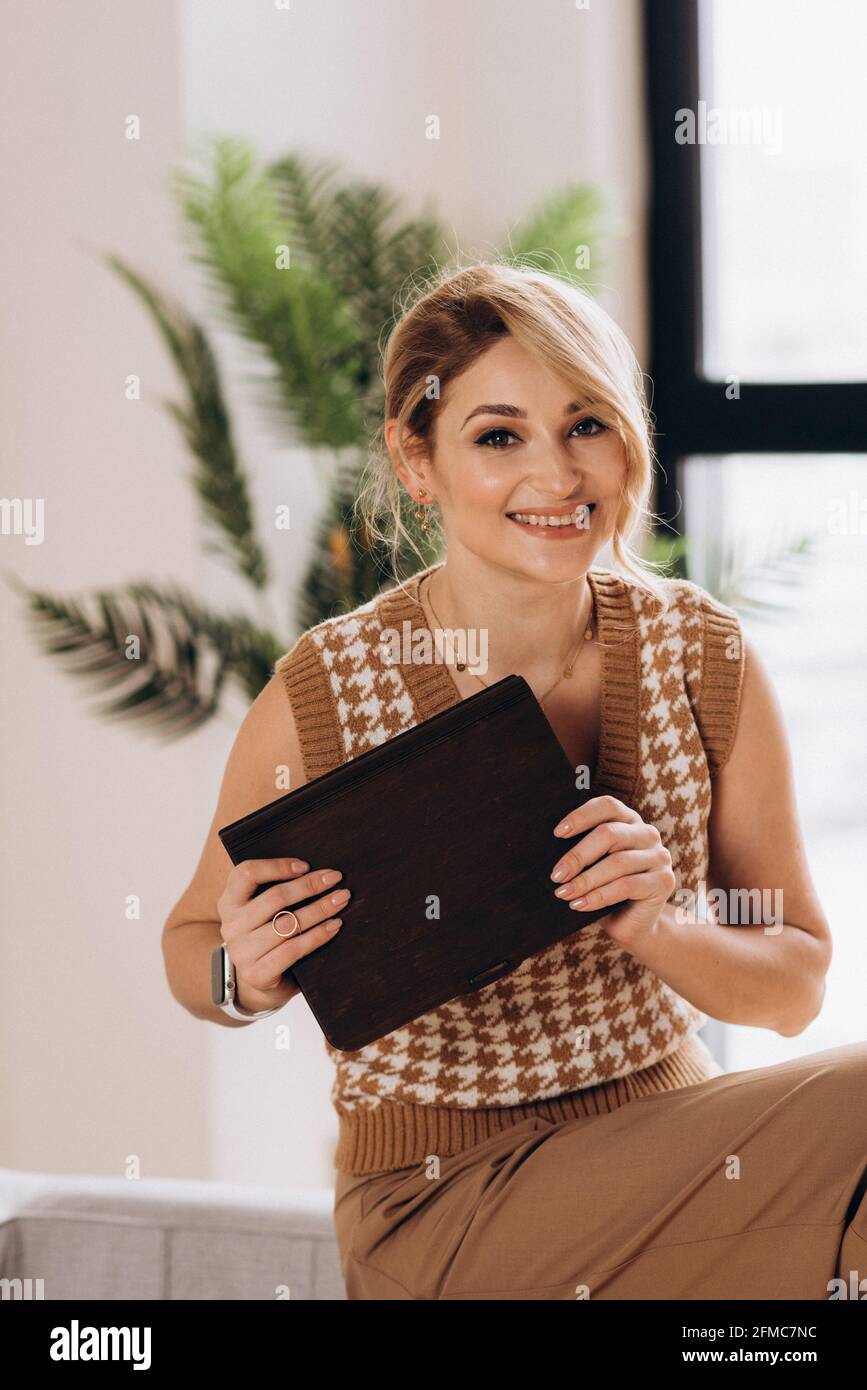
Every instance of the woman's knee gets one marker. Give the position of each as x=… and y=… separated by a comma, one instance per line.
x=843, y=1070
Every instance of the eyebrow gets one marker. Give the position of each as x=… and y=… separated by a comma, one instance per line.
x=514, y=411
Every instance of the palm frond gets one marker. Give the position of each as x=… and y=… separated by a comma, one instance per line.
x=566, y=219
x=218, y=476
x=166, y=656
x=350, y=233
x=303, y=190
x=294, y=314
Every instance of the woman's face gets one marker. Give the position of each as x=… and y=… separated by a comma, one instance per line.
x=523, y=476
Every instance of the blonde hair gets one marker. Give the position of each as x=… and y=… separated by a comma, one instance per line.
x=446, y=324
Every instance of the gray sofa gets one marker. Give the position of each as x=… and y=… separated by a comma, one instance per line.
x=162, y=1238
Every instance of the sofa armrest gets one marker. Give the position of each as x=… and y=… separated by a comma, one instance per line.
x=93, y=1237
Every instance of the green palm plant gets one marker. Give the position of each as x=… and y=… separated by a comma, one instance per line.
x=306, y=268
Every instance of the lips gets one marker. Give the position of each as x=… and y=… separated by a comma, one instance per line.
x=577, y=518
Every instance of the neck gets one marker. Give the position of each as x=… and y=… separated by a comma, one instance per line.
x=531, y=624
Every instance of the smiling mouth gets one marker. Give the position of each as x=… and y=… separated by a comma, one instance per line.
x=578, y=519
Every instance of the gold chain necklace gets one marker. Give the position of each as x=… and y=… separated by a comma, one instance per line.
x=586, y=636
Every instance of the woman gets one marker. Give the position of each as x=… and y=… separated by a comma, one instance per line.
x=562, y=1132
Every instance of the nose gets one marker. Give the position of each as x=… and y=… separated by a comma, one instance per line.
x=556, y=474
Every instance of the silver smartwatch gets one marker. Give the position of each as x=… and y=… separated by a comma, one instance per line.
x=223, y=987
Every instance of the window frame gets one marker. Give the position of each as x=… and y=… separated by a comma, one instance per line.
x=692, y=414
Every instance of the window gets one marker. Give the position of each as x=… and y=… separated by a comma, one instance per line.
x=758, y=260
x=792, y=555
x=784, y=190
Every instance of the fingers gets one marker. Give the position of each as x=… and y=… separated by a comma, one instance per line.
x=636, y=874
x=611, y=835
x=293, y=891
x=241, y=911
x=246, y=916
x=264, y=971
x=306, y=917
x=257, y=915
x=619, y=890
x=619, y=858
x=246, y=877
x=594, y=812
x=264, y=952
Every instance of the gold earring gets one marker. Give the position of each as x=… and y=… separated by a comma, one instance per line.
x=419, y=511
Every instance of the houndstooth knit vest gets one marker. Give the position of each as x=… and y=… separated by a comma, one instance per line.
x=671, y=681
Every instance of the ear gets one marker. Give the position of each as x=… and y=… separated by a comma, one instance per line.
x=415, y=477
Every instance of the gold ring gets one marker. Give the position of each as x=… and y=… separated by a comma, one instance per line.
x=286, y=913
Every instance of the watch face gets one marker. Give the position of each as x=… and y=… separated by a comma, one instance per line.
x=218, y=975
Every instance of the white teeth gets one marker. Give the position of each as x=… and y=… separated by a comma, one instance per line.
x=576, y=518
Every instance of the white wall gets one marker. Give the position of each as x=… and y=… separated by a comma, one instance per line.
x=100, y=1062
x=530, y=94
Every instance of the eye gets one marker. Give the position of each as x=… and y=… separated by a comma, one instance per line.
x=490, y=435
x=498, y=438
x=590, y=420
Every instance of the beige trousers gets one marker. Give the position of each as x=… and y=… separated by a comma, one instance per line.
x=748, y=1185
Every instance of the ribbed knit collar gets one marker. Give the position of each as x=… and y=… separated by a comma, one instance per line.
x=433, y=689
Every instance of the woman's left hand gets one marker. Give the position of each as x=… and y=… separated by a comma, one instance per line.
x=621, y=859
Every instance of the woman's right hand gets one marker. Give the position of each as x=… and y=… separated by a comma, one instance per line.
x=258, y=954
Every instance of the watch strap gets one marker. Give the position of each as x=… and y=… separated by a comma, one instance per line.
x=228, y=1002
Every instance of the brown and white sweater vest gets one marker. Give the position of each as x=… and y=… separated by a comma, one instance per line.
x=582, y=1026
